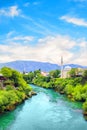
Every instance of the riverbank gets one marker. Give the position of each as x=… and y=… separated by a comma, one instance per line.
x=13, y=90
x=74, y=88
x=13, y=98
x=73, y=93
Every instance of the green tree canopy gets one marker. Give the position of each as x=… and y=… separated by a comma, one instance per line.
x=73, y=72
x=7, y=72
x=85, y=74
x=54, y=73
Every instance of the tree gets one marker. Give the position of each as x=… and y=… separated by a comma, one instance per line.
x=37, y=72
x=16, y=77
x=85, y=106
x=10, y=96
x=73, y=72
x=85, y=74
x=7, y=72
x=54, y=73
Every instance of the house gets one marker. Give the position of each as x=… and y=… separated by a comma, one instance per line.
x=25, y=73
x=44, y=73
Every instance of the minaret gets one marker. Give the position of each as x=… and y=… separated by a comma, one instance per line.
x=61, y=67
x=24, y=70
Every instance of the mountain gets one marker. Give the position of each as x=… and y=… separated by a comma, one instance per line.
x=34, y=65
x=30, y=66
x=75, y=66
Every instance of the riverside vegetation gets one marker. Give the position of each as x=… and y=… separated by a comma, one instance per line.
x=75, y=88
x=13, y=90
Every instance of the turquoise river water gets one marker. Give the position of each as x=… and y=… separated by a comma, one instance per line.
x=47, y=110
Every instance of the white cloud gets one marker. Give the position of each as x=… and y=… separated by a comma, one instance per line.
x=9, y=34
x=13, y=37
x=11, y=11
x=81, y=56
x=48, y=49
x=75, y=21
x=23, y=38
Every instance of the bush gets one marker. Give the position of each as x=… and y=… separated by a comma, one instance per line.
x=85, y=106
x=9, y=87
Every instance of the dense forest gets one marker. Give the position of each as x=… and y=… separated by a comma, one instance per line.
x=13, y=89
x=74, y=87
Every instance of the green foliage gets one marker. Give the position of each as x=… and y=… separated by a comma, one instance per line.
x=15, y=89
x=29, y=77
x=7, y=98
x=85, y=74
x=8, y=82
x=9, y=87
x=10, y=97
x=37, y=73
x=85, y=106
x=26, y=89
x=77, y=80
x=72, y=87
x=69, y=89
x=73, y=72
x=54, y=73
x=77, y=94
x=16, y=78
x=6, y=72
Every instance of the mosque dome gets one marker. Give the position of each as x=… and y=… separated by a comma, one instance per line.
x=67, y=67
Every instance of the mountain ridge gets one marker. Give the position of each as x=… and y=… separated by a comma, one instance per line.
x=24, y=65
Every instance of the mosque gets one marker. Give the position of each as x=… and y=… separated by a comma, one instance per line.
x=64, y=70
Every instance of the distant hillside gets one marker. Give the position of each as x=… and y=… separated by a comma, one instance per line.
x=30, y=66
x=75, y=66
x=34, y=65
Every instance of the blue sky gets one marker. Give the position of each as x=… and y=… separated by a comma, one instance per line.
x=43, y=30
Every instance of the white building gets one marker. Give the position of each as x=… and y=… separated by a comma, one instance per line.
x=44, y=73
x=66, y=70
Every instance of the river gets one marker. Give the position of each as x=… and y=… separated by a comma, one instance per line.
x=47, y=110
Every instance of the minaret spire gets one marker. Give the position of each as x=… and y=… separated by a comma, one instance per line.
x=61, y=66
x=24, y=70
